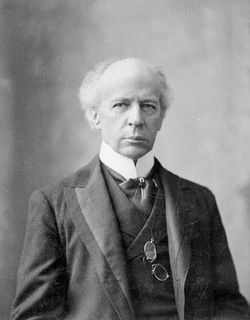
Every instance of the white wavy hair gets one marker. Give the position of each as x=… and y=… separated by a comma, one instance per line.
x=88, y=93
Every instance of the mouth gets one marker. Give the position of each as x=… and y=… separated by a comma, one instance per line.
x=135, y=139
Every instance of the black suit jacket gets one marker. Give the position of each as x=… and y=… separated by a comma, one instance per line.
x=73, y=264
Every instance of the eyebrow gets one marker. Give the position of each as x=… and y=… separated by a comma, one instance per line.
x=129, y=99
x=120, y=99
x=150, y=100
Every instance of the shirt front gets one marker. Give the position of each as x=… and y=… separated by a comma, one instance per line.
x=151, y=299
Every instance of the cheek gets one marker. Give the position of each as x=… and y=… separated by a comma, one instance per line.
x=111, y=128
x=155, y=124
x=114, y=123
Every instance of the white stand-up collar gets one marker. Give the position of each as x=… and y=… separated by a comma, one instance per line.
x=125, y=166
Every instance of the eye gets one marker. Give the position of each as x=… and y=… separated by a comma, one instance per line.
x=149, y=108
x=120, y=105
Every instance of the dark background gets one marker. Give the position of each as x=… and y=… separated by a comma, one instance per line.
x=46, y=46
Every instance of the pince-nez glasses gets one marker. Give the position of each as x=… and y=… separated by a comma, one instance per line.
x=158, y=270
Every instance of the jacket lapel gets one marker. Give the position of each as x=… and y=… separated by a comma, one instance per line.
x=179, y=248
x=95, y=219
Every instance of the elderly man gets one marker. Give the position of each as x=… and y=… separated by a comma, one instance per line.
x=123, y=238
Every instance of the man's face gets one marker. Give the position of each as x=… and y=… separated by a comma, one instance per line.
x=129, y=114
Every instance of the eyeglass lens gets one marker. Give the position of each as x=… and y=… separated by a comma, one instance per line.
x=150, y=250
x=158, y=270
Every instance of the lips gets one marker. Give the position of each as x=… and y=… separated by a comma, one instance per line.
x=135, y=138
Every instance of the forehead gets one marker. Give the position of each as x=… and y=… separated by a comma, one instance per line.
x=129, y=77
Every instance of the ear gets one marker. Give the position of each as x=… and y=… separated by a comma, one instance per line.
x=95, y=118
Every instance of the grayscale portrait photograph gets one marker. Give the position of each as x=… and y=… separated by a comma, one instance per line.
x=124, y=168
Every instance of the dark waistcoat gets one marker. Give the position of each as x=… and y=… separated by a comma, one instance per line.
x=151, y=298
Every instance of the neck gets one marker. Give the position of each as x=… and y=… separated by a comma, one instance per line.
x=126, y=167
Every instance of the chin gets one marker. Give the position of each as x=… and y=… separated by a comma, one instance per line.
x=134, y=153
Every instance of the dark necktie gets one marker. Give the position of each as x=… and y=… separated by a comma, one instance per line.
x=141, y=192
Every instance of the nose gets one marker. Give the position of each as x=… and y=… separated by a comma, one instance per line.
x=135, y=116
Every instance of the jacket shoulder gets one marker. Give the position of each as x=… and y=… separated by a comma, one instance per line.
x=184, y=184
x=78, y=178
